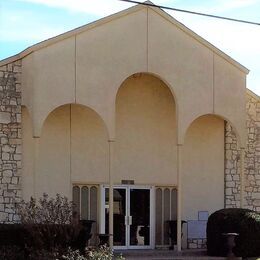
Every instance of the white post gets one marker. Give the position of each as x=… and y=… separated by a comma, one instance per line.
x=111, y=193
x=179, y=197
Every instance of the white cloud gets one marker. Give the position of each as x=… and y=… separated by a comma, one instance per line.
x=93, y=7
x=14, y=28
x=226, y=5
x=97, y=7
x=219, y=6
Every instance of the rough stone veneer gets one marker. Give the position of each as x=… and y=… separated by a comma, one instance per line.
x=10, y=140
x=197, y=243
x=252, y=160
x=232, y=169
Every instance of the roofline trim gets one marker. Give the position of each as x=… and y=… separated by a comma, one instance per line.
x=252, y=94
x=200, y=39
x=71, y=33
x=117, y=15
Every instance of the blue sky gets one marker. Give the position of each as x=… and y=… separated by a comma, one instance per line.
x=26, y=22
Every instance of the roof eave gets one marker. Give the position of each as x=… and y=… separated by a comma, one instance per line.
x=107, y=19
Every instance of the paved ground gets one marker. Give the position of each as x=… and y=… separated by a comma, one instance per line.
x=167, y=255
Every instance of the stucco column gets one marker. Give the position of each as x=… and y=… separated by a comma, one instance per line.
x=36, y=142
x=242, y=169
x=179, y=197
x=111, y=144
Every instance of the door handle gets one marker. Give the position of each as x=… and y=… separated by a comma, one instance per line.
x=130, y=221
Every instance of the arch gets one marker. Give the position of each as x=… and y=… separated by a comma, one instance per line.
x=154, y=75
x=76, y=104
x=146, y=130
x=203, y=165
x=73, y=148
x=238, y=136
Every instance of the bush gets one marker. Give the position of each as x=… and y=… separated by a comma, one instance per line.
x=242, y=221
x=46, y=228
x=47, y=210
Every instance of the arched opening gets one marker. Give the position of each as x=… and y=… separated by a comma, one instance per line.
x=146, y=153
x=203, y=166
x=73, y=149
x=204, y=177
x=146, y=131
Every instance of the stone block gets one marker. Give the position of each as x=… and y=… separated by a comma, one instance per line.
x=249, y=189
x=8, y=149
x=228, y=177
x=18, y=118
x=229, y=164
x=3, y=140
x=6, y=180
x=230, y=184
x=256, y=196
x=228, y=191
x=7, y=173
x=233, y=171
x=6, y=200
x=3, y=216
x=14, y=180
x=192, y=246
x=12, y=187
x=5, y=118
x=256, y=202
x=251, y=177
x=10, y=67
x=16, y=218
x=17, y=157
x=7, y=166
x=8, y=193
x=15, y=141
x=5, y=156
x=18, y=87
x=236, y=177
x=18, y=149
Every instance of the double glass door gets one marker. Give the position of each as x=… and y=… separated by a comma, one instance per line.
x=132, y=216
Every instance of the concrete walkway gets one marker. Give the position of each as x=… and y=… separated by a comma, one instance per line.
x=166, y=255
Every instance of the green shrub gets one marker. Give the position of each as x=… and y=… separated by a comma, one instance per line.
x=46, y=210
x=242, y=221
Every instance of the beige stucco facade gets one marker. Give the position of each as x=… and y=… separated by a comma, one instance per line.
x=100, y=105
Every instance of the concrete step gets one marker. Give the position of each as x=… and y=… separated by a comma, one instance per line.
x=167, y=255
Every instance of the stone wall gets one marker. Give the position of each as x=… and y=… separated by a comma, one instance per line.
x=10, y=140
x=232, y=169
x=252, y=160
x=197, y=243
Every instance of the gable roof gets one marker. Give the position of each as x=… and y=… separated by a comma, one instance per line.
x=118, y=15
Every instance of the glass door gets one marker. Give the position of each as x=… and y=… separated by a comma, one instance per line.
x=120, y=210
x=140, y=216
x=132, y=216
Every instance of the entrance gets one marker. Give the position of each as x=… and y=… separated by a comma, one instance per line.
x=133, y=222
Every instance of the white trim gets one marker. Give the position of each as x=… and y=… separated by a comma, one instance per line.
x=127, y=210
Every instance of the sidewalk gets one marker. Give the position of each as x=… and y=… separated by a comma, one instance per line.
x=166, y=255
